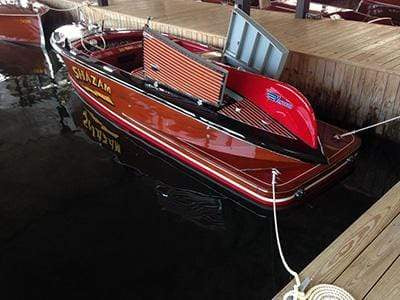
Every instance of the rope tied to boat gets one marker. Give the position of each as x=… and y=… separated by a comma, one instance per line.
x=340, y=136
x=318, y=292
x=76, y=7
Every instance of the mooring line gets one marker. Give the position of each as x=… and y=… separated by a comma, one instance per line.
x=318, y=292
x=85, y=3
x=339, y=136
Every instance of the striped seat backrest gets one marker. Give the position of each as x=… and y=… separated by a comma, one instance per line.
x=185, y=72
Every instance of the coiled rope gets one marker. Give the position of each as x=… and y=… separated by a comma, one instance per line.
x=318, y=292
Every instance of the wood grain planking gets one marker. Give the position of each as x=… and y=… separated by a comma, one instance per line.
x=364, y=272
x=383, y=52
x=374, y=108
x=388, y=53
x=367, y=92
x=309, y=88
x=302, y=70
x=327, y=88
x=355, y=95
x=393, y=129
x=333, y=261
x=388, y=287
x=335, y=96
x=368, y=51
x=332, y=45
x=388, y=101
x=361, y=43
x=317, y=101
x=312, y=40
x=294, y=66
x=345, y=93
x=348, y=42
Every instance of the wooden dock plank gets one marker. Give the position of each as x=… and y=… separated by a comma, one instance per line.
x=365, y=271
x=335, y=259
x=388, y=286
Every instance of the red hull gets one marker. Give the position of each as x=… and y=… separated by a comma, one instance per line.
x=243, y=168
x=21, y=25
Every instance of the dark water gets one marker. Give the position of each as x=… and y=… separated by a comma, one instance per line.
x=78, y=220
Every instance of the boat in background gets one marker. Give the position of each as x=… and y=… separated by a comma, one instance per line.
x=221, y=114
x=21, y=22
x=384, y=12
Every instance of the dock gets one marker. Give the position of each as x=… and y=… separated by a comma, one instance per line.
x=365, y=259
x=350, y=71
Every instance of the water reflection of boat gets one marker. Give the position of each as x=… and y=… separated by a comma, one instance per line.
x=22, y=22
x=18, y=59
x=202, y=209
x=185, y=196
x=231, y=125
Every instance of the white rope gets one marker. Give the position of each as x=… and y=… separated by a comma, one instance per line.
x=278, y=242
x=64, y=9
x=85, y=3
x=318, y=292
x=339, y=136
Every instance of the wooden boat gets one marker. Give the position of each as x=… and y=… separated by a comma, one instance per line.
x=384, y=12
x=221, y=114
x=22, y=23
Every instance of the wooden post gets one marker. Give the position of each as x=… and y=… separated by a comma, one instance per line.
x=244, y=5
x=264, y=3
x=102, y=2
x=302, y=8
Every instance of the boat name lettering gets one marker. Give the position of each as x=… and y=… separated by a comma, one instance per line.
x=93, y=80
x=99, y=132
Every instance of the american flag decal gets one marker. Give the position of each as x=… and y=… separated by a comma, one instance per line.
x=278, y=99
